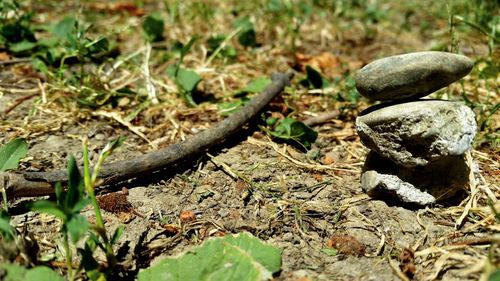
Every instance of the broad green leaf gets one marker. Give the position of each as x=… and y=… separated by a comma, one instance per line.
x=495, y=276
x=13, y=272
x=42, y=273
x=65, y=27
x=244, y=23
x=11, y=153
x=77, y=225
x=153, y=26
x=303, y=134
x=233, y=257
x=257, y=85
x=16, y=272
x=266, y=255
x=49, y=42
x=50, y=208
x=188, y=79
x=22, y=46
x=80, y=205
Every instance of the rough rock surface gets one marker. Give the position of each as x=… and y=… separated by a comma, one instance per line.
x=411, y=75
x=374, y=183
x=441, y=179
x=418, y=132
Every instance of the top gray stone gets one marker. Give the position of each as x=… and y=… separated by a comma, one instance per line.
x=411, y=75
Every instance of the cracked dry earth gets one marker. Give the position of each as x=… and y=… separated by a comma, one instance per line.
x=297, y=201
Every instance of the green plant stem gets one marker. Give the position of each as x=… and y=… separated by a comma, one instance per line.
x=89, y=182
x=69, y=264
x=222, y=45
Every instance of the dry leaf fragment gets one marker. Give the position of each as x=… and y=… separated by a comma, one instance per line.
x=119, y=7
x=325, y=62
x=347, y=245
x=406, y=262
x=187, y=216
x=4, y=56
x=171, y=229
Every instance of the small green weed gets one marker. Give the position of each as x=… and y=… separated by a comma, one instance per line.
x=70, y=202
x=186, y=79
x=289, y=129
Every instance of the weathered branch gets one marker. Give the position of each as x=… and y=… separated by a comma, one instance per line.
x=27, y=184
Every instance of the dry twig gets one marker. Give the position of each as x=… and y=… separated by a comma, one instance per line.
x=28, y=184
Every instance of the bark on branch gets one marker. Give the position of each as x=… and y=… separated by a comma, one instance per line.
x=28, y=184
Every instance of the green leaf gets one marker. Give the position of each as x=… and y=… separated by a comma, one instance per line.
x=291, y=129
x=100, y=45
x=59, y=193
x=50, y=208
x=329, y=251
x=22, y=46
x=244, y=23
x=257, y=85
x=233, y=257
x=16, y=272
x=117, y=234
x=227, y=108
x=247, y=36
x=77, y=225
x=186, y=48
x=65, y=27
x=75, y=184
x=314, y=77
x=82, y=203
x=12, y=153
x=495, y=276
x=6, y=230
x=42, y=273
x=89, y=263
x=188, y=79
x=153, y=26
x=110, y=147
x=39, y=65
x=214, y=42
x=13, y=272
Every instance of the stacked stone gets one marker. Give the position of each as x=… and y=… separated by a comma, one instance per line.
x=417, y=145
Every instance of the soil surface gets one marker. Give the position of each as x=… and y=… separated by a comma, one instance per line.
x=303, y=201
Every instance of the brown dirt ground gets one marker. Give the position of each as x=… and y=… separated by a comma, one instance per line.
x=298, y=201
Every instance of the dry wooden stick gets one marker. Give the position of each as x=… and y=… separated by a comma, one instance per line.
x=28, y=184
